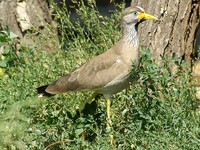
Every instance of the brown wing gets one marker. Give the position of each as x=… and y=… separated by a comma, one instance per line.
x=92, y=75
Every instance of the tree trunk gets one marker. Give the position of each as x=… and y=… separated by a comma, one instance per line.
x=21, y=16
x=176, y=30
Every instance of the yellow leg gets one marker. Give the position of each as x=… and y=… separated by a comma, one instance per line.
x=108, y=114
x=109, y=123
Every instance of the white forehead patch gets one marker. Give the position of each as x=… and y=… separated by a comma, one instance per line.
x=140, y=8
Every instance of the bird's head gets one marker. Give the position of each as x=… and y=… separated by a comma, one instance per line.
x=135, y=15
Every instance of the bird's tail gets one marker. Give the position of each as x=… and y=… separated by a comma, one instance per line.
x=42, y=91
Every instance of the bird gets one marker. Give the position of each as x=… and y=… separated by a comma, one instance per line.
x=109, y=72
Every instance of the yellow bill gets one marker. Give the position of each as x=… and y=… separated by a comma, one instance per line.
x=143, y=16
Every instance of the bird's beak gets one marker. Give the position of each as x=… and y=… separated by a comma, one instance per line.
x=143, y=16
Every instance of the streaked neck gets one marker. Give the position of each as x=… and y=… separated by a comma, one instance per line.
x=130, y=34
x=130, y=44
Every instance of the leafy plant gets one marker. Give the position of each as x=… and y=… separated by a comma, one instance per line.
x=6, y=37
x=158, y=111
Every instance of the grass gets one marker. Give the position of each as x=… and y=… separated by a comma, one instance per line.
x=158, y=111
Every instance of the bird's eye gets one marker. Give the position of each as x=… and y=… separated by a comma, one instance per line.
x=135, y=13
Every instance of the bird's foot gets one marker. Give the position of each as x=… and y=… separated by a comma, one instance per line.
x=112, y=140
x=111, y=137
x=109, y=130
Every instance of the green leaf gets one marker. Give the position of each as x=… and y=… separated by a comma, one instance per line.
x=6, y=51
x=3, y=64
x=4, y=39
x=13, y=35
x=79, y=131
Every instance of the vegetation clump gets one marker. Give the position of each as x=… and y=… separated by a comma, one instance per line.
x=158, y=111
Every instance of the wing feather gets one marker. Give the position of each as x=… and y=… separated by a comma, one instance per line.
x=93, y=75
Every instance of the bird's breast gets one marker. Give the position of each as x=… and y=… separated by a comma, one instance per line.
x=130, y=54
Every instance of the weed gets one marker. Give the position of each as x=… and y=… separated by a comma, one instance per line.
x=156, y=112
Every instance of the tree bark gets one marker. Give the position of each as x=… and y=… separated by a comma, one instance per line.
x=176, y=30
x=21, y=16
